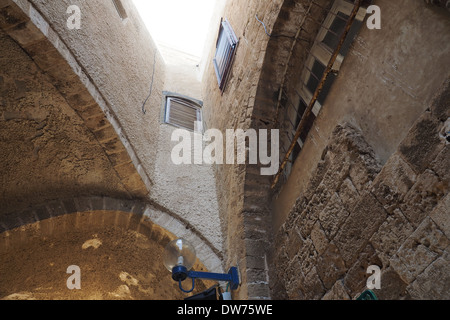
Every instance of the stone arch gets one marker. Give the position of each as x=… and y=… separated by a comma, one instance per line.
x=131, y=214
x=23, y=22
x=114, y=243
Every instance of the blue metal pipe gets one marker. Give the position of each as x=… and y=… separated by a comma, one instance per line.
x=179, y=273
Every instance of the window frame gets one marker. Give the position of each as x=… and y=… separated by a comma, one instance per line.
x=322, y=53
x=189, y=102
x=222, y=68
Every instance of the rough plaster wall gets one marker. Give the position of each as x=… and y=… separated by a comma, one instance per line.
x=46, y=150
x=187, y=190
x=118, y=56
x=182, y=73
x=356, y=213
x=381, y=88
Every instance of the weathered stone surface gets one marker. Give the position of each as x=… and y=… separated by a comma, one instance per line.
x=295, y=242
x=337, y=171
x=307, y=256
x=27, y=217
x=69, y=205
x=441, y=164
x=337, y=292
x=11, y=221
x=333, y=216
x=360, y=225
x=392, y=287
x=10, y=18
x=439, y=3
x=355, y=279
x=319, y=238
x=330, y=266
x=434, y=282
x=441, y=215
x=311, y=288
x=56, y=208
x=424, y=246
x=364, y=168
x=258, y=290
x=402, y=190
x=441, y=104
x=422, y=144
x=356, y=220
x=42, y=213
x=309, y=216
x=277, y=289
x=423, y=197
x=5, y=3
x=393, y=182
x=391, y=235
x=348, y=194
x=26, y=33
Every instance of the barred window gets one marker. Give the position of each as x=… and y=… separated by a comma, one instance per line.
x=225, y=50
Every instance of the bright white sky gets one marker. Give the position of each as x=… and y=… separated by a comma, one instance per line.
x=180, y=24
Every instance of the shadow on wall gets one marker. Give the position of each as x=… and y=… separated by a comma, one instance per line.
x=355, y=214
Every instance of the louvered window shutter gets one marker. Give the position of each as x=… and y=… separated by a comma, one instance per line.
x=225, y=49
x=182, y=113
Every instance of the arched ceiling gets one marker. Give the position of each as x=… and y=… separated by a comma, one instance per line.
x=116, y=262
x=46, y=149
x=57, y=142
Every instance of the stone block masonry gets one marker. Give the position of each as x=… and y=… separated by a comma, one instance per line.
x=356, y=213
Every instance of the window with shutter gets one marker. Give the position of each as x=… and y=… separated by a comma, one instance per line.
x=183, y=112
x=225, y=50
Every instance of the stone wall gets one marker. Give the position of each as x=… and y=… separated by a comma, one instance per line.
x=356, y=213
x=244, y=223
x=380, y=88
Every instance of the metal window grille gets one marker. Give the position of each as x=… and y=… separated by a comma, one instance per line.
x=225, y=50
